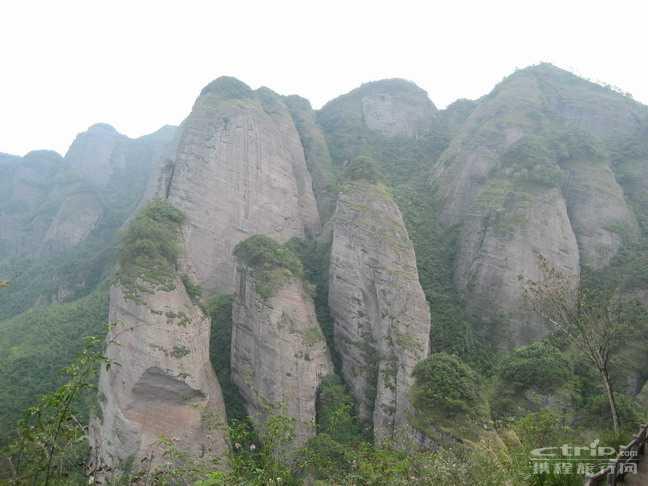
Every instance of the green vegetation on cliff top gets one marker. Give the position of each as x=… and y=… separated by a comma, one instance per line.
x=272, y=263
x=149, y=250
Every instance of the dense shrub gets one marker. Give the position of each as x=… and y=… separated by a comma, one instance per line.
x=271, y=263
x=444, y=383
x=219, y=309
x=533, y=159
x=364, y=169
x=336, y=411
x=37, y=345
x=150, y=249
x=193, y=289
x=627, y=408
x=539, y=366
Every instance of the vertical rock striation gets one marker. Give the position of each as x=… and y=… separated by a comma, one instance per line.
x=235, y=168
x=381, y=317
x=318, y=158
x=160, y=388
x=599, y=213
x=497, y=248
x=238, y=170
x=279, y=354
x=528, y=174
x=160, y=385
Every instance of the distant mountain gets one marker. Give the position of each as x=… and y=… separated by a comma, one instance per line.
x=402, y=230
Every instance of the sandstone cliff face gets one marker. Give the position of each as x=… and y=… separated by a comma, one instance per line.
x=528, y=163
x=499, y=247
x=74, y=221
x=279, y=355
x=235, y=168
x=381, y=317
x=492, y=127
x=52, y=204
x=318, y=158
x=599, y=213
x=238, y=170
x=29, y=198
x=54, y=214
x=91, y=153
x=404, y=113
x=160, y=384
x=377, y=112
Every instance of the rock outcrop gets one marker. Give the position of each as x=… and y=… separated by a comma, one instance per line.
x=526, y=175
x=160, y=388
x=238, y=170
x=318, y=158
x=91, y=153
x=62, y=201
x=390, y=107
x=61, y=213
x=598, y=211
x=235, y=168
x=498, y=246
x=160, y=385
x=279, y=354
x=30, y=186
x=381, y=317
x=547, y=165
x=375, y=114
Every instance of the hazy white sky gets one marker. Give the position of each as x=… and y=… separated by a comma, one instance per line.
x=140, y=64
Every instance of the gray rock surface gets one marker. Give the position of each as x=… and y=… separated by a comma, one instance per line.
x=318, y=158
x=497, y=248
x=235, y=167
x=75, y=220
x=51, y=204
x=160, y=385
x=381, y=317
x=91, y=153
x=279, y=354
x=598, y=211
x=238, y=170
x=524, y=175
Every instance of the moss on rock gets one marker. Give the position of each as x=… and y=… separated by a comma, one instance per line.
x=150, y=249
x=272, y=263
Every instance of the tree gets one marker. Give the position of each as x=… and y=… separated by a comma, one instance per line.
x=444, y=383
x=49, y=435
x=596, y=320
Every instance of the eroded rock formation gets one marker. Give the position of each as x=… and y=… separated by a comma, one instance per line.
x=279, y=355
x=381, y=317
x=527, y=175
x=160, y=385
x=238, y=170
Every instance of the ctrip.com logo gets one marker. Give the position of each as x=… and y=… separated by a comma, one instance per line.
x=581, y=460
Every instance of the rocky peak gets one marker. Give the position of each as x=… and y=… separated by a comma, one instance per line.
x=534, y=146
x=391, y=107
x=102, y=129
x=91, y=153
x=238, y=169
x=316, y=151
x=161, y=384
x=228, y=87
x=397, y=88
x=279, y=354
x=381, y=317
x=43, y=157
